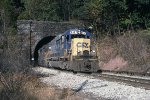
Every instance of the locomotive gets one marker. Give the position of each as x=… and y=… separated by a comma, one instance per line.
x=73, y=50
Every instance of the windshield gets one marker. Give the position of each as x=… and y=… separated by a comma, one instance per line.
x=78, y=36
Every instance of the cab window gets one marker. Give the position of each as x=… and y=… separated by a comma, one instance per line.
x=77, y=36
x=62, y=39
x=88, y=37
x=67, y=37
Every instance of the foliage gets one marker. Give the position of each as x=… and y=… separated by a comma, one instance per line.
x=1, y=46
x=40, y=10
x=90, y=11
x=106, y=16
x=9, y=11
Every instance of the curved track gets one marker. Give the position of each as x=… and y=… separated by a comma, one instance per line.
x=134, y=80
x=137, y=81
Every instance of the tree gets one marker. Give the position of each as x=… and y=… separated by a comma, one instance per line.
x=9, y=10
x=139, y=13
x=106, y=16
x=40, y=10
x=89, y=11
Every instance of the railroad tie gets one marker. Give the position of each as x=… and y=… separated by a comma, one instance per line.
x=80, y=87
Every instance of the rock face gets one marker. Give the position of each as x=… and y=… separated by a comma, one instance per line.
x=31, y=32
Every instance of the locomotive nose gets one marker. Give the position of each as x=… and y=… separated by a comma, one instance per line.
x=87, y=65
x=86, y=53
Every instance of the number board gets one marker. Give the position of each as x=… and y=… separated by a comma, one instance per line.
x=77, y=32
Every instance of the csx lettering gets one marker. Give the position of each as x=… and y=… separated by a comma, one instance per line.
x=79, y=44
x=84, y=44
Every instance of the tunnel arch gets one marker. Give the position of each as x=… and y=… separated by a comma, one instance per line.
x=39, y=45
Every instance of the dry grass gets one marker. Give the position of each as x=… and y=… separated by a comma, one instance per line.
x=128, y=52
x=12, y=87
x=132, y=48
x=18, y=86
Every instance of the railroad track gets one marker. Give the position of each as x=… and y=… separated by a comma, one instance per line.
x=122, y=77
x=134, y=80
x=127, y=78
x=137, y=81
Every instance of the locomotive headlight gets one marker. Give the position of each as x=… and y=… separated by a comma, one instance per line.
x=79, y=53
x=93, y=51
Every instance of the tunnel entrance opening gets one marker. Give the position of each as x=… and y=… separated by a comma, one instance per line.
x=41, y=43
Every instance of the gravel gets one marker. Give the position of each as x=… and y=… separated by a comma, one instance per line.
x=96, y=87
x=45, y=71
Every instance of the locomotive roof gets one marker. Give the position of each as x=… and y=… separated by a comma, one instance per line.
x=68, y=32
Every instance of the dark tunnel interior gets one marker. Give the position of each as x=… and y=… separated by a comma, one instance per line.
x=42, y=42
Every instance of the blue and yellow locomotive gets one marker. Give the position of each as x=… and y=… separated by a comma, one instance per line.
x=72, y=50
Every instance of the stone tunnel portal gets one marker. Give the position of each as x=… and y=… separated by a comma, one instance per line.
x=41, y=43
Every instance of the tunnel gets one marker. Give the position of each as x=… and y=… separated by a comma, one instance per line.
x=41, y=43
